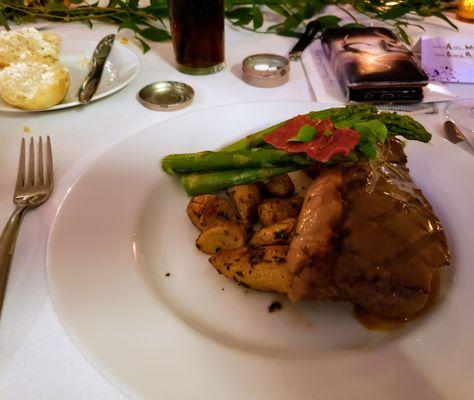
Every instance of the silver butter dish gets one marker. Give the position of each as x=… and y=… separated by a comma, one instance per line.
x=166, y=95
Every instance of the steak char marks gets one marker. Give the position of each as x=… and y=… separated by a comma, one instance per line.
x=366, y=234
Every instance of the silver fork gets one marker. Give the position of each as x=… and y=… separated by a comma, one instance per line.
x=33, y=187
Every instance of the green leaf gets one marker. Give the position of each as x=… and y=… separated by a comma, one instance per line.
x=289, y=33
x=88, y=22
x=403, y=34
x=327, y=132
x=353, y=25
x=372, y=131
x=378, y=128
x=159, y=12
x=145, y=46
x=4, y=21
x=257, y=17
x=290, y=24
x=128, y=25
x=311, y=8
x=424, y=11
x=360, y=5
x=274, y=27
x=328, y=21
x=155, y=34
x=55, y=6
x=366, y=135
x=345, y=123
x=241, y=15
x=278, y=9
x=113, y=4
x=439, y=14
x=369, y=150
x=305, y=134
x=395, y=12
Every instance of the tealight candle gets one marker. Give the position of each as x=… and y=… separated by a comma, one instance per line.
x=265, y=70
x=466, y=10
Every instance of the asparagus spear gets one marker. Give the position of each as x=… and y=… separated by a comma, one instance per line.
x=405, y=126
x=254, y=140
x=249, y=160
x=219, y=160
x=348, y=112
x=210, y=182
x=335, y=114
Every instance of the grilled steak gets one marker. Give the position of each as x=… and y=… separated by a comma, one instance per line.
x=366, y=234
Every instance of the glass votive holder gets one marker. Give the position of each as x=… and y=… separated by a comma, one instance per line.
x=465, y=10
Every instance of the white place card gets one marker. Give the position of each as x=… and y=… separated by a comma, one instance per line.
x=448, y=59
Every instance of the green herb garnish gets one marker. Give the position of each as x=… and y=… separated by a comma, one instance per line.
x=372, y=131
x=305, y=134
x=327, y=132
x=368, y=149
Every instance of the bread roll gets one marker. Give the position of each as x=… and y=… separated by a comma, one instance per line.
x=34, y=85
x=28, y=44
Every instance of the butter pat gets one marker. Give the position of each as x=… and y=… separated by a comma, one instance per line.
x=28, y=44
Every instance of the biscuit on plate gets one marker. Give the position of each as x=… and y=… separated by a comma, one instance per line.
x=34, y=85
x=28, y=44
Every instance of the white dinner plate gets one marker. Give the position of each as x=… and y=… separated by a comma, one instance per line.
x=195, y=334
x=120, y=69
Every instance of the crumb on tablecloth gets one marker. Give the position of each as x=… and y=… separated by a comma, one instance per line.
x=275, y=306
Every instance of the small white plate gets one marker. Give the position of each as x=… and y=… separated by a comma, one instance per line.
x=196, y=334
x=120, y=69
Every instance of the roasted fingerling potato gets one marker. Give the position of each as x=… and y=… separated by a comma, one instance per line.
x=278, y=233
x=261, y=268
x=246, y=199
x=221, y=236
x=273, y=211
x=278, y=186
x=207, y=209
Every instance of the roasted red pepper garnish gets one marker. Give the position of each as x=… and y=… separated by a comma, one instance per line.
x=322, y=147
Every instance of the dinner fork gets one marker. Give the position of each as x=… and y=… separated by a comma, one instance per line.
x=33, y=187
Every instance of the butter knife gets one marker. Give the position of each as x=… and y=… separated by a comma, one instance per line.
x=312, y=28
x=305, y=40
x=101, y=52
x=454, y=134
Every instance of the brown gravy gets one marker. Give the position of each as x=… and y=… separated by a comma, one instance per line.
x=375, y=323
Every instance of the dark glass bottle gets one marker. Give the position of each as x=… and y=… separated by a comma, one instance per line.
x=197, y=28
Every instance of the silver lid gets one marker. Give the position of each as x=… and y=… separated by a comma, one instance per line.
x=166, y=95
x=266, y=70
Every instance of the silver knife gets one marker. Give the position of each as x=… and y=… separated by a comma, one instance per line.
x=454, y=134
x=101, y=52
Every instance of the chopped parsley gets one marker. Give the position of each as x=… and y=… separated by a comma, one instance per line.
x=305, y=134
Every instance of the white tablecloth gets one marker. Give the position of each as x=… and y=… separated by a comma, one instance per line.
x=37, y=359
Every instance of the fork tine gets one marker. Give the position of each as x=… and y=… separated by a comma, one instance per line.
x=40, y=162
x=20, y=181
x=49, y=162
x=31, y=164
